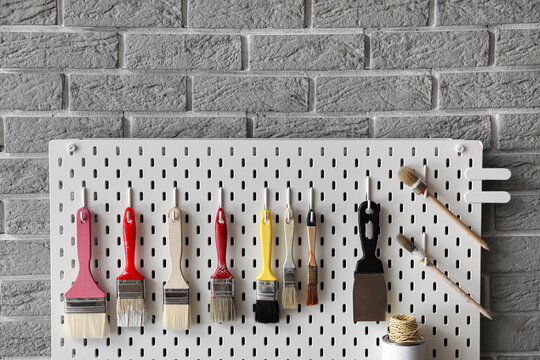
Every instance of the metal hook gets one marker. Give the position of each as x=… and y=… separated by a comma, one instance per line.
x=311, y=204
x=130, y=202
x=266, y=204
x=83, y=200
x=175, y=204
x=220, y=205
x=289, y=218
x=368, y=193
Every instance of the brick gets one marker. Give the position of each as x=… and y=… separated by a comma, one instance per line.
x=456, y=127
x=512, y=293
x=525, y=170
x=25, y=338
x=370, y=93
x=129, y=92
x=24, y=257
x=439, y=49
x=28, y=12
x=58, y=50
x=30, y=91
x=188, y=127
x=239, y=14
x=485, y=12
x=519, y=131
x=25, y=297
x=512, y=254
x=486, y=90
x=516, y=333
x=302, y=127
x=518, y=47
x=521, y=213
x=204, y=52
x=24, y=176
x=27, y=216
x=307, y=52
x=250, y=93
x=123, y=13
x=33, y=134
x=370, y=13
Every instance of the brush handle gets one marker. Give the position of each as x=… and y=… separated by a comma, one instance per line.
x=458, y=222
x=130, y=233
x=289, y=236
x=174, y=226
x=222, y=272
x=266, y=248
x=85, y=286
x=459, y=290
x=311, y=234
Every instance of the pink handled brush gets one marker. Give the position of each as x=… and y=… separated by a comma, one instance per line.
x=85, y=303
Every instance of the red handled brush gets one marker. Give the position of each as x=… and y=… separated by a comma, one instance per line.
x=85, y=303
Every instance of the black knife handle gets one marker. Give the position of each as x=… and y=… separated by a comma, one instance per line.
x=369, y=245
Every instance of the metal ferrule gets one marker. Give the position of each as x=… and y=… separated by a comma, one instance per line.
x=176, y=296
x=267, y=290
x=130, y=289
x=419, y=187
x=221, y=288
x=85, y=305
x=312, y=274
x=289, y=277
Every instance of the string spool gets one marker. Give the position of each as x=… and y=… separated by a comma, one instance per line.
x=404, y=329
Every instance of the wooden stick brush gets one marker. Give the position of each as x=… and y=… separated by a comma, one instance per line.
x=266, y=307
x=411, y=179
x=222, y=307
x=289, y=296
x=176, y=308
x=311, y=291
x=85, y=304
x=421, y=257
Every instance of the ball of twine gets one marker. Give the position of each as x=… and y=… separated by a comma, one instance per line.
x=404, y=329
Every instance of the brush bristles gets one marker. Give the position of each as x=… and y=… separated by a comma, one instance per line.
x=176, y=317
x=405, y=243
x=311, y=294
x=267, y=311
x=222, y=309
x=130, y=312
x=83, y=326
x=289, y=298
x=407, y=176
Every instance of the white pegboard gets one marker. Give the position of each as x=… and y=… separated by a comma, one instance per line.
x=337, y=170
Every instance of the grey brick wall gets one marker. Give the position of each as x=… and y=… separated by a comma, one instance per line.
x=271, y=68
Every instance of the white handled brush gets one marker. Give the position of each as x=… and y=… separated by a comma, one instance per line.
x=289, y=296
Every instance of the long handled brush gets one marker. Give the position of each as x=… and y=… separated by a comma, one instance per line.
x=311, y=291
x=130, y=287
x=85, y=303
x=222, y=307
x=176, y=308
x=411, y=179
x=420, y=256
x=267, y=307
x=289, y=296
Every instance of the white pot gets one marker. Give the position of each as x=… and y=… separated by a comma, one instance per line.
x=409, y=351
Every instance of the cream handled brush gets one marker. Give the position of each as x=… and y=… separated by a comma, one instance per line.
x=85, y=303
x=176, y=308
x=289, y=296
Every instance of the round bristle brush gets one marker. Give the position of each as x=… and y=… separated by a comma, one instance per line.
x=412, y=180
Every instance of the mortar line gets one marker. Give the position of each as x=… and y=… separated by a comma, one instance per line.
x=434, y=91
x=65, y=91
x=245, y=42
x=432, y=17
x=312, y=95
x=121, y=63
x=189, y=93
x=367, y=50
x=495, y=131
x=60, y=12
x=308, y=14
x=492, y=47
x=184, y=13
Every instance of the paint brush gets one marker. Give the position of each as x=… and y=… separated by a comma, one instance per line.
x=85, y=304
x=176, y=308
x=130, y=286
x=266, y=307
x=289, y=296
x=411, y=179
x=222, y=307
x=419, y=255
x=311, y=291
